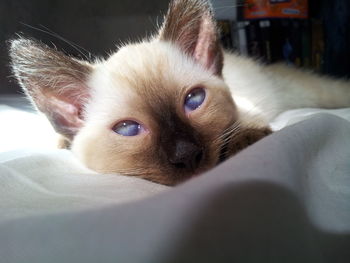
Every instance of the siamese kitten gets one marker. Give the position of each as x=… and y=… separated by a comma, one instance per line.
x=167, y=108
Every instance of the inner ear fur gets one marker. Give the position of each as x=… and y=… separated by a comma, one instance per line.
x=191, y=26
x=55, y=82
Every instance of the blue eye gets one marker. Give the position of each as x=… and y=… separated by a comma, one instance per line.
x=194, y=99
x=128, y=128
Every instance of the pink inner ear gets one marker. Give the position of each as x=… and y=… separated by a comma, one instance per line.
x=64, y=110
x=202, y=52
x=207, y=50
x=191, y=26
x=70, y=113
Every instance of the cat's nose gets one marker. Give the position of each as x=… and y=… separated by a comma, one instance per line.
x=186, y=155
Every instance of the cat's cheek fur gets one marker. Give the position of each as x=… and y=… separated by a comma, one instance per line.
x=104, y=151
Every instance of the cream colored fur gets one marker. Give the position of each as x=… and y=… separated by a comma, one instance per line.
x=266, y=91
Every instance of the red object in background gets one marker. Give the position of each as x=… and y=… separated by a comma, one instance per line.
x=254, y=9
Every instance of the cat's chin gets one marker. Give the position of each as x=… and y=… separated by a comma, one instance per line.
x=175, y=178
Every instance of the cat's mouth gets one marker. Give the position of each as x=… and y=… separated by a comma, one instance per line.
x=233, y=144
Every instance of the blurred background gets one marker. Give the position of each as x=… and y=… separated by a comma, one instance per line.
x=312, y=34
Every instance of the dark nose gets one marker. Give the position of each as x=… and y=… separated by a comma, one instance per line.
x=186, y=155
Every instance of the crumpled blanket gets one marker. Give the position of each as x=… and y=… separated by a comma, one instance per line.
x=284, y=199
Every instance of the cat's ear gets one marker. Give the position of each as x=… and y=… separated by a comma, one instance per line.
x=55, y=82
x=190, y=25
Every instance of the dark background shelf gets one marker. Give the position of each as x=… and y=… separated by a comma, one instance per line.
x=99, y=25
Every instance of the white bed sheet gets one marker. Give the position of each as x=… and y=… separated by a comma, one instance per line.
x=41, y=188
x=37, y=178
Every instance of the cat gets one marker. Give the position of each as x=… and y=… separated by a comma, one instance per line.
x=170, y=107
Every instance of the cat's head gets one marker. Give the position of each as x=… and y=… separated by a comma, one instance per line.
x=158, y=109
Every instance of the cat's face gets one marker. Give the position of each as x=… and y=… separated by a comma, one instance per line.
x=159, y=109
x=173, y=112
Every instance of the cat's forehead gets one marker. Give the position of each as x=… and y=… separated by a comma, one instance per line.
x=155, y=72
x=149, y=65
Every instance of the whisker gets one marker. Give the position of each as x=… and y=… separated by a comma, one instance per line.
x=231, y=129
x=78, y=48
x=74, y=45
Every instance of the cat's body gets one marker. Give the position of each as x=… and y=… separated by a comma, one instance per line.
x=167, y=108
x=270, y=90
